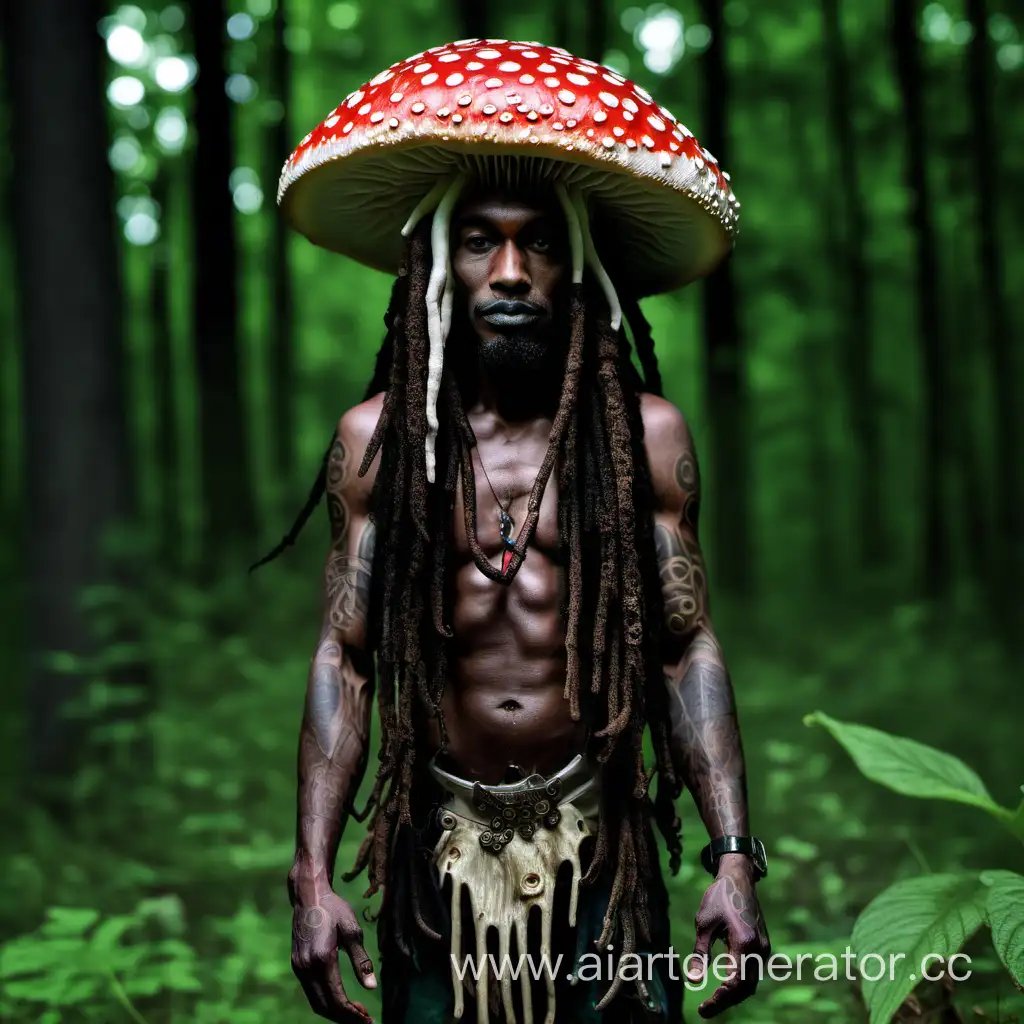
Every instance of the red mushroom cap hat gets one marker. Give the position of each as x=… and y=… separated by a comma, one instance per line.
x=364, y=172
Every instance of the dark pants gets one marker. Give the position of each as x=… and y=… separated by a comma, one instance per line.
x=415, y=970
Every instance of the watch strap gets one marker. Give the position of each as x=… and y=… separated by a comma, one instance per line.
x=750, y=846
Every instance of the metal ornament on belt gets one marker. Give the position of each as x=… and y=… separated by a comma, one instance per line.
x=523, y=811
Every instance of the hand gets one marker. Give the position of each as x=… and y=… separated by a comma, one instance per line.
x=322, y=923
x=730, y=911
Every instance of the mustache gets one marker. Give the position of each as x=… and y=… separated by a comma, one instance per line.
x=509, y=307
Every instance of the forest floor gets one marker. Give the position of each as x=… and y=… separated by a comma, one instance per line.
x=162, y=898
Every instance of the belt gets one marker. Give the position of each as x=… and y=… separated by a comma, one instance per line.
x=517, y=807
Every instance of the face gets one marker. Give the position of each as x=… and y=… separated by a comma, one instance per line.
x=510, y=261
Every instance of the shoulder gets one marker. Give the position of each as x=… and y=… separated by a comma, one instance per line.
x=353, y=433
x=670, y=450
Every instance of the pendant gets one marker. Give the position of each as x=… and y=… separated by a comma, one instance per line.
x=506, y=525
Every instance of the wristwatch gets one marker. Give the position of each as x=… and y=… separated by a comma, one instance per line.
x=748, y=845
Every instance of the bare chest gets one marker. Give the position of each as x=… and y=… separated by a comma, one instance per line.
x=505, y=473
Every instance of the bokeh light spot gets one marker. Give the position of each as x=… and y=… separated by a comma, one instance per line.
x=126, y=91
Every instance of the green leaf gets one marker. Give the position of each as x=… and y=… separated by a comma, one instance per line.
x=935, y=914
x=1005, y=911
x=67, y=921
x=909, y=767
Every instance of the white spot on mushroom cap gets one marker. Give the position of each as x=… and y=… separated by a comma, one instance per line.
x=396, y=96
x=571, y=123
x=532, y=54
x=489, y=108
x=627, y=115
x=429, y=79
x=656, y=122
x=420, y=68
x=601, y=116
x=561, y=60
x=332, y=121
x=474, y=65
x=354, y=99
x=608, y=99
x=648, y=141
x=546, y=110
x=567, y=97
x=393, y=122
x=590, y=133
x=418, y=107
x=505, y=116
x=546, y=68
x=607, y=142
x=618, y=131
x=665, y=159
x=610, y=76
x=465, y=99
x=447, y=58
x=552, y=83
x=376, y=117
x=642, y=93
x=630, y=105
x=488, y=54
x=382, y=78
x=455, y=79
x=348, y=128
x=494, y=83
x=557, y=125
x=510, y=66
x=363, y=110
x=577, y=79
x=527, y=79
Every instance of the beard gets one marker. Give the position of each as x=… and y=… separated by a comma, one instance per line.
x=517, y=355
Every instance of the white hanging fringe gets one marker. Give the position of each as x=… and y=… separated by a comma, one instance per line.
x=439, y=304
x=425, y=205
x=575, y=236
x=595, y=261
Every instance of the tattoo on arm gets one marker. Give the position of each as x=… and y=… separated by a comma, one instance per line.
x=707, y=737
x=348, y=582
x=705, y=729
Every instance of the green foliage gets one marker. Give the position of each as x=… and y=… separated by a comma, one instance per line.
x=936, y=914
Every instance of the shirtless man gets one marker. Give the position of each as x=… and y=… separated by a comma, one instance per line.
x=505, y=705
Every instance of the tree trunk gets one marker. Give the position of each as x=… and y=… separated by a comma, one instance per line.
x=595, y=30
x=1008, y=560
x=226, y=474
x=164, y=371
x=78, y=474
x=856, y=335
x=474, y=19
x=723, y=356
x=282, y=363
x=934, y=550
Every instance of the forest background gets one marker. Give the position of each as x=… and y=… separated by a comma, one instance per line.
x=173, y=363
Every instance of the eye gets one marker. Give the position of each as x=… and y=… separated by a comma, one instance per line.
x=476, y=243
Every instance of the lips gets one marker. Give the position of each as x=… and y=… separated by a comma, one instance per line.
x=505, y=315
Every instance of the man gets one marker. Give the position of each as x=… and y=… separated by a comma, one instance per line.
x=518, y=671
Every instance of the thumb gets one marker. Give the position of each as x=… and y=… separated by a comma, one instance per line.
x=697, y=961
x=363, y=965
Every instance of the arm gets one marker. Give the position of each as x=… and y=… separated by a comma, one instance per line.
x=333, y=742
x=705, y=732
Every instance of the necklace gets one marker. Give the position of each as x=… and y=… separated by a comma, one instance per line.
x=506, y=524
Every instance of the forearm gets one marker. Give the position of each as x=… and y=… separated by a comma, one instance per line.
x=706, y=736
x=333, y=749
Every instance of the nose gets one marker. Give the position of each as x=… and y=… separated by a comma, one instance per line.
x=508, y=272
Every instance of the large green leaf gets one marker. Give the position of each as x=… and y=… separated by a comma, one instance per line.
x=1005, y=911
x=935, y=914
x=909, y=767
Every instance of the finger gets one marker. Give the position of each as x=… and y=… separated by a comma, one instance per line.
x=350, y=935
x=339, y=1008
x=729, y=993
x=697, y=966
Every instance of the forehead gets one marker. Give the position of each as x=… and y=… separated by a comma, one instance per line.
x=507, y=207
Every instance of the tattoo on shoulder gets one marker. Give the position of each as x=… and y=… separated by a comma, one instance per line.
x=683, y=580
x=687, y=477
x=348, y=582
x=337, y=510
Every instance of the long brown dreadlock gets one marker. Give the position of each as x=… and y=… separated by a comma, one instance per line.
x=613, y=610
